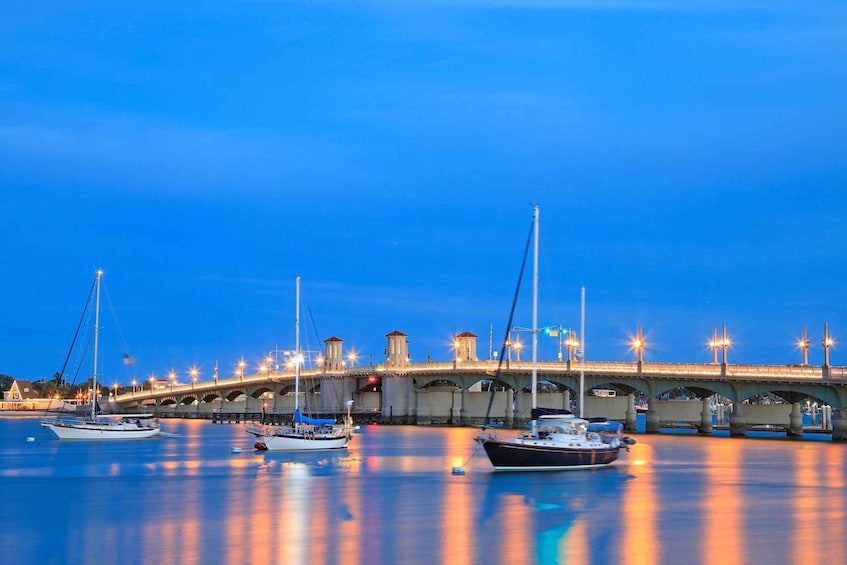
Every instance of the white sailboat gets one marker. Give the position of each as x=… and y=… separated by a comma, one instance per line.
x=304, y=433
x=558, y=441
x=102, y=426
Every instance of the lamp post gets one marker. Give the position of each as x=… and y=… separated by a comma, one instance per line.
x=714, y=345
x=517, y=345
x=638, y=345
x=725, y=343
x=572, y=343
x=152, y=381
x=803, y=344
x=351, y=357
x=172, y=377
x=193, y=372
x=241, y=365
x=827, y=342
x=134, y=382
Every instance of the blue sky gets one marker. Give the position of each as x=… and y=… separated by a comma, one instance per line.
x=688, y=157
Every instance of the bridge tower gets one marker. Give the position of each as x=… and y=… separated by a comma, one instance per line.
x=334, y=359
x=397, y=352
x=464, y=347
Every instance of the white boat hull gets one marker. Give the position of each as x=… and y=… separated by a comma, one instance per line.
x=299, y=441
x=102, y=431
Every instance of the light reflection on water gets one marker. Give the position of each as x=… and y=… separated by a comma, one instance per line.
x=391, y=498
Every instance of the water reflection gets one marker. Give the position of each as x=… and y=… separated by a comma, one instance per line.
x=544, y=517
x=391, y=498
x=640, y=507
x=723, y=503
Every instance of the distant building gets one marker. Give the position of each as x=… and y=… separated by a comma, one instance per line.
x=397, y=352
x=465, y=347
x=21, y=396
x=21, y=390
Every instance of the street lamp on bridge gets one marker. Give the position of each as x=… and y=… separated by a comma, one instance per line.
x=803, y=344
x=241, y=365
x=638, y=345
x=517, y=346
x=172, y=378
x=725, y=343
x=194, y=373
x=714, y=345
x=827, y=342
x=572, y=344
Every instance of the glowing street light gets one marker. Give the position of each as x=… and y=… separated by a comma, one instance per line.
x=827, y=342
x=134, y=382
x=725, y=343
x=572, y=344
x=518, y=346
x=172, y=377
x=638, y=344
x=152, y=381
x=803, y=344
x=714, y=345
x=241, y=365
x=194, y=373
x=351, y=357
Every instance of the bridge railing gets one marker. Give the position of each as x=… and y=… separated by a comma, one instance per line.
x=595, y=368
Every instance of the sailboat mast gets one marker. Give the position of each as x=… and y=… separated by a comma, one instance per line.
x=296, y=343
x=96, y=345
x=535, y=311
x=582, y=352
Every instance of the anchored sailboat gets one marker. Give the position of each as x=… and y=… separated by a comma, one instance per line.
x=102, y=426
x=304, y=433
x=555, y=442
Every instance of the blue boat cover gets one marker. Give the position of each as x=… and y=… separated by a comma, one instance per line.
x=301, y=419
x=608, y=426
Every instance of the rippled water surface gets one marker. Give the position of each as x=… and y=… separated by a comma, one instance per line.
x=392, y=498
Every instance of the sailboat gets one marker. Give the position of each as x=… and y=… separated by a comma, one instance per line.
x=304, y=433
x=557, y=440
x=102, y=426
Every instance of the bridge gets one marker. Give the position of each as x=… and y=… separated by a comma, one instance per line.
x=460, y=393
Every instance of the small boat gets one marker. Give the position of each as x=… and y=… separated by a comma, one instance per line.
x=304, y=433
x=105, y=426
x=557, y=440
x=102, y=426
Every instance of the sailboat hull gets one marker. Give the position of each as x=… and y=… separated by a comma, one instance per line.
x=296, y=441
x=520, y=455
x=102, y=431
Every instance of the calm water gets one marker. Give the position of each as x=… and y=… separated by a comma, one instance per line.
x=393, y=499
